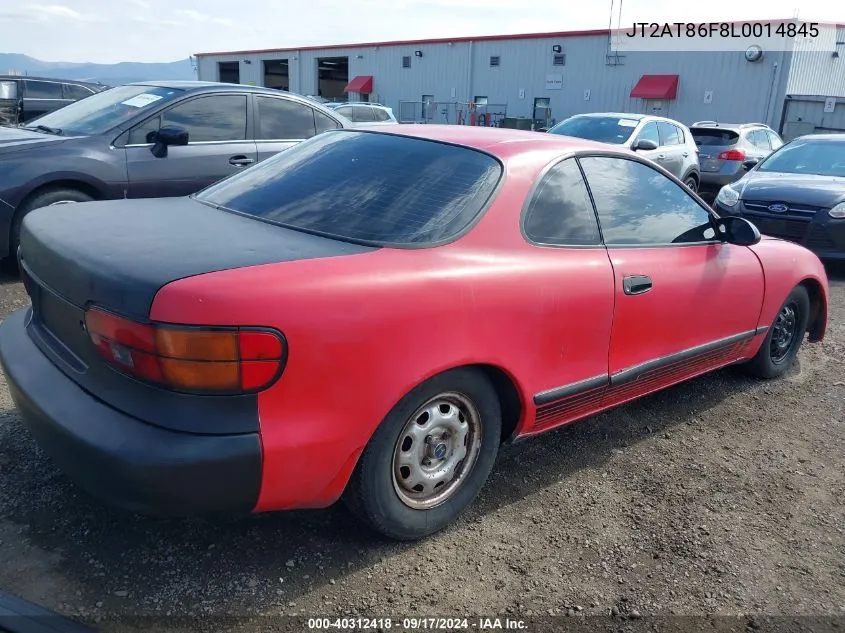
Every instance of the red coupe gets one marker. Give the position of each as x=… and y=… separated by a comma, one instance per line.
x=369, y=315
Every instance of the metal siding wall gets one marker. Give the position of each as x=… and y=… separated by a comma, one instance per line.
x=741, y=90
x=815, y=71
x=805, y=115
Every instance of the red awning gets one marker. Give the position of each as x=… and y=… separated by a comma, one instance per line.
x=362, y=84
x=656, y=87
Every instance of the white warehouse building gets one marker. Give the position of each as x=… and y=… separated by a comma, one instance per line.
x=546, y=77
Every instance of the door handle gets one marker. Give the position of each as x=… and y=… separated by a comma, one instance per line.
x=685, y=154
x=240, y=161
x=661, y=156
x=636, y=284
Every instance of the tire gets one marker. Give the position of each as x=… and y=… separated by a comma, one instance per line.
x=691, y=184
x=779, y=348
x=380, y=491
x=58, y=195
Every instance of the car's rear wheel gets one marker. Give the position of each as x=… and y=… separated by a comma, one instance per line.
x=45, y=198
x=691, y=183
x=784, y=337
x=430, y=457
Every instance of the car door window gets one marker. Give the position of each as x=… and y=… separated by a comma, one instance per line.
x=284, y=119
x=649, y=132
x=345, y=111
x=42, y=89
x=215, y=118
x=324, y=123
x=75, y=92
x=668, y=133
x=560, y=211
x=637, y=205
x=774, y=140
x=759, y=139
x=381, y=115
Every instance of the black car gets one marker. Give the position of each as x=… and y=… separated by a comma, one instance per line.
x=25, y=98
x=144, y=140
x=797, y=193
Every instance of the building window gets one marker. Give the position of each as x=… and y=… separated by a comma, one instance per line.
x=559, y=60
x=494, y=61
x=480, y=101
x=406, y=61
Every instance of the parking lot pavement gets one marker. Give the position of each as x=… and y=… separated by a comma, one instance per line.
x=724, y=495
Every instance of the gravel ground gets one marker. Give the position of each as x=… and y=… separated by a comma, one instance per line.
x=722, y=496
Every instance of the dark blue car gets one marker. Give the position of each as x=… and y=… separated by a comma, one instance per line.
x=153, y=139
x=797, y=193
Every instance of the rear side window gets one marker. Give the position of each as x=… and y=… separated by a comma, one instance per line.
x=560, y=211
x=365, y=187
x=282, y=119
x=381, y=115
x=42, y=89
x=705, y=137
x=759, y=139
x=75, y=92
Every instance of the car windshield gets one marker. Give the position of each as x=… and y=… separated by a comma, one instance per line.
x=609, y=129
x=365, y=187
x=104, y=110
x=808, y=156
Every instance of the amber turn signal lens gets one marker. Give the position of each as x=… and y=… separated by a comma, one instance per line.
x=197, y=344
x=200, y=376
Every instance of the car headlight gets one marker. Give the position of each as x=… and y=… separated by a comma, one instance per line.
x=728, y=196
x=838, y=211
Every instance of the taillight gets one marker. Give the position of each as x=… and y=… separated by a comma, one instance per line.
x=195, y=359
x=733, y=154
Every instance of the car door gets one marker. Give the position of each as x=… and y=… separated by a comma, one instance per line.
x=575, y=291
x=685, y=302
x=219, y=145
x=282, y=123
x=672, y=152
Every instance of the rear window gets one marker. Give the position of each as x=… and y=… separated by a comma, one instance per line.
x=707, y=137
x=365, y=187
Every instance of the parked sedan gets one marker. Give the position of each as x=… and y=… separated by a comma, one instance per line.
x=369, y=315
x=667, y=142
x=725, y=147
x=797, y=194
x=146, y=139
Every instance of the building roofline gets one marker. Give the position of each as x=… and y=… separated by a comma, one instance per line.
x=477, y=38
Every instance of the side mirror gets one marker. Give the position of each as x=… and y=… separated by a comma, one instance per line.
x=164, y=137
x=644, y=145
x=736, y=230
x=749, y=164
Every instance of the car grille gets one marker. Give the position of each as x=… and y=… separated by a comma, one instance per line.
x=792, y=230
x=819, y=241
x=762, y=206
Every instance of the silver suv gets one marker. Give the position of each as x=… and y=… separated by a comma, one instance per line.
x=667, y=142
x=727, y=150
x=364, y=112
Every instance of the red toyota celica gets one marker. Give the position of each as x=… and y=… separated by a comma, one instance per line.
x=369, y=315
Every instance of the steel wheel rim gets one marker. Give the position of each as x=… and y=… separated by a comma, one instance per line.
x=784, y=331
x=436, y=450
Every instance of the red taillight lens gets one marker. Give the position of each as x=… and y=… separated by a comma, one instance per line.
x=187, y=358
x=733, y=154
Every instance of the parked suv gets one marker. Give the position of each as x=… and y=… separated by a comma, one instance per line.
x=664, y=141
x=25, y=98
x=363, y=112
x=147, y=140
x=724, y=147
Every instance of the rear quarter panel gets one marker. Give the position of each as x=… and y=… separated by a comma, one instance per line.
x=785, y=265
x=363, y=330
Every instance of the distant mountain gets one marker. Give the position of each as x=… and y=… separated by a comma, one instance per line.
x=112, y=74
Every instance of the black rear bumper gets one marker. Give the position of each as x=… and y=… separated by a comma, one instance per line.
x=117, y=458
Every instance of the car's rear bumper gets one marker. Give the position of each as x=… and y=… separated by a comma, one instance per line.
x=117, y=458
x=716, y=180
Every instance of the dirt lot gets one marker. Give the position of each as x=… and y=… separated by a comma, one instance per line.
x=722, y=496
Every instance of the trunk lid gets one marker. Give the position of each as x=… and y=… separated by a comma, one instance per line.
x=118, y=254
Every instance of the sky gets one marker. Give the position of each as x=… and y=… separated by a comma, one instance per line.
x=109, y=31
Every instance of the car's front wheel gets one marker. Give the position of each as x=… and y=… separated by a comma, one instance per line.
x=784, y=337
x=430, y=457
